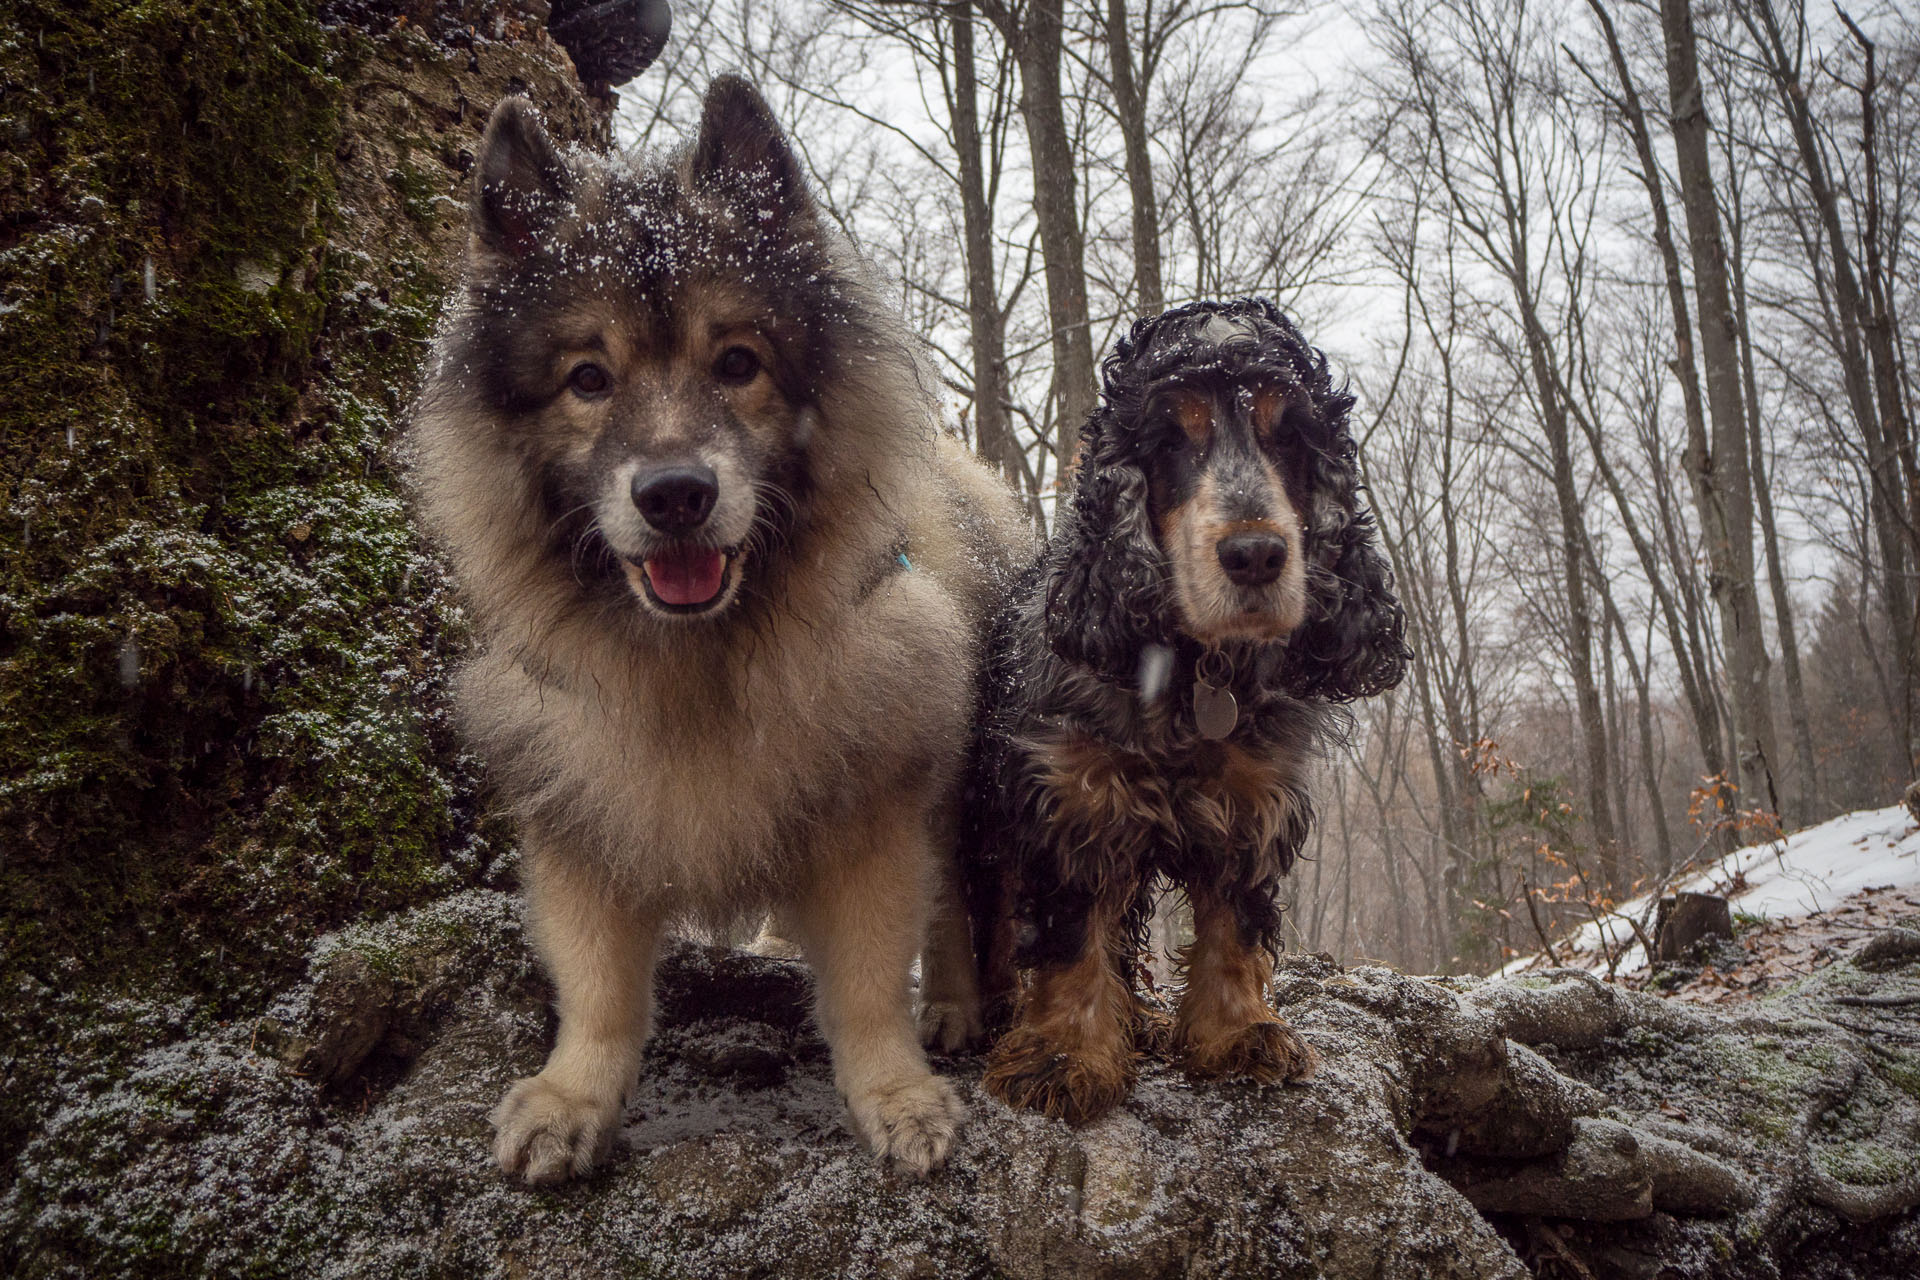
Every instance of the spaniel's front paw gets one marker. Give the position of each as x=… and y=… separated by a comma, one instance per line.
x=1268, y=1052
x=1028, y=1070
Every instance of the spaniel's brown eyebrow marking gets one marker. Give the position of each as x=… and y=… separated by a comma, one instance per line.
x=1269, y=406
x=1194, y=413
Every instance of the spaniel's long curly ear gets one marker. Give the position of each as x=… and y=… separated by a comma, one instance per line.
x=1353, y=643
x=1105, y=584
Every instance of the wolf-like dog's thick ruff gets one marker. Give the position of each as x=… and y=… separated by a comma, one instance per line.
x=730, y=581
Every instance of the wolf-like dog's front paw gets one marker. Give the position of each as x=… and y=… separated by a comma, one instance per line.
x=1269, y=1052
x=949, y=1026
x=909, y=1125
x=547, y=1135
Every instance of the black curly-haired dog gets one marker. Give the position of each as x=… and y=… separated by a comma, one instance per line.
x=1152, y=696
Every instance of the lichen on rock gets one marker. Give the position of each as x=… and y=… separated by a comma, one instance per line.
x=225, y=230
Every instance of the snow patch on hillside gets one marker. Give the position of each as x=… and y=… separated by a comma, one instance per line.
x=1810, y=871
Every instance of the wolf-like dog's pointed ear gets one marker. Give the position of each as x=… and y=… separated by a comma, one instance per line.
x=743, y=153
x=520, y=183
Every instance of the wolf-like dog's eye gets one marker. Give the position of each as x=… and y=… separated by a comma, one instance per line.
x=736, y=365
x=589, y=380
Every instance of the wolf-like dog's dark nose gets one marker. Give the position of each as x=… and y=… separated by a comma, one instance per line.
x=676, y=499
x=1252, y=559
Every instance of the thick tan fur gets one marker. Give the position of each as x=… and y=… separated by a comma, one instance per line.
x=801, y=761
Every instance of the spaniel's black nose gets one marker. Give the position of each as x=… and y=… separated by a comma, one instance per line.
x=1252, y=559
x=676, y=499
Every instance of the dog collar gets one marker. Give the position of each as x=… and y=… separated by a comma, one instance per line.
x=892, y=562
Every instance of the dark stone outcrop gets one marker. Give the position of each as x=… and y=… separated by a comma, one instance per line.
x=1646, y=1139
x=226, y=229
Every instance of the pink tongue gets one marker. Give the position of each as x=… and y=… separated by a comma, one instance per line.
x=686, y=575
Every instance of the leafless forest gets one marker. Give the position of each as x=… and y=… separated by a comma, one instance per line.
x=1621, y=290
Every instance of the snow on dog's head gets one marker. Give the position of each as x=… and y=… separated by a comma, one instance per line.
x=655, y=342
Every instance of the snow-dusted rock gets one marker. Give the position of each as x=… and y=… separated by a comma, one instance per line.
x=1708, y=1143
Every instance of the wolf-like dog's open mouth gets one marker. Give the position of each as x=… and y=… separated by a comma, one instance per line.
x=685, y=579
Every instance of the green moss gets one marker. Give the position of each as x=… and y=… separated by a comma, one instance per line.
x=221, y=649
x=419, y=191
x=411, y=945
x=1864, y=1164
x=1901, y=1069
x=1770, y=1075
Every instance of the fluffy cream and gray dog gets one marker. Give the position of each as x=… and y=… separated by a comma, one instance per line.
x=730, y=581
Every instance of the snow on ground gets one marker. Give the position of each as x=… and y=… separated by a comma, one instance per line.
x=1811, y=871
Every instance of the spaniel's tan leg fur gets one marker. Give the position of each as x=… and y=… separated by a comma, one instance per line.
x=1071, y=1053
x=1225, y=1027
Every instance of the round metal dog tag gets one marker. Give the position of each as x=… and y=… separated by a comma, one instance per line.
x=1215, y=711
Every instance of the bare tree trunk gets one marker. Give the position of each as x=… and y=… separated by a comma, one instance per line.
x=1627, y=101
x=1446, y=651
x=1614, y=723
x=1450, y=730
x=1649, y=774
x=1806, y=780
x=1573, y=537
x=1130, y=105
x=993, y=427
x=1721, y=483
x=1696, y=655
x=1310, y=935
x=1498, y=220
x=1035, y=35
x=1382, y=769
x=1865, y=348
x=1882, y=343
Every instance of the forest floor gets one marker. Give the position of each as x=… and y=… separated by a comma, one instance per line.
x=1798, y=904
x=1767, y=953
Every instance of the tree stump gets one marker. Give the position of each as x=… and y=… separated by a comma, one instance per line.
x=1687, y=918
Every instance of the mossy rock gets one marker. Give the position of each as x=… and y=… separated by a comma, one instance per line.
x=226, y=227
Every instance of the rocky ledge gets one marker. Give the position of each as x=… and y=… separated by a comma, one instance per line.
x=1553, y=1126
